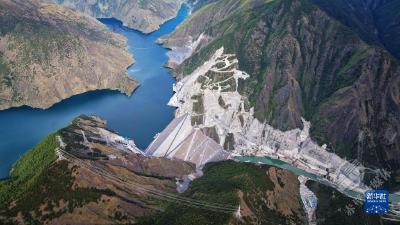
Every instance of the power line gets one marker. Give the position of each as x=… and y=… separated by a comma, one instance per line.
x=101, y=172
x=216, y=207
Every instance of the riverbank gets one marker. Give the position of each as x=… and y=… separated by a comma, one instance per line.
x=49, y=53
x=138, y=117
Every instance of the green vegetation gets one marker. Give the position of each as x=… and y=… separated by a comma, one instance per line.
x=248, y=33
x=198, y=104
x=218, y=77
x=374, y=22
x=28, y=169
x=142, y=3
x=224, y=183
x=229, y=142
x=302, y=60
x=220, y=184
x=335, y=208
x=42, y=42
x=38, y=43
x=51, y=187
x=360, y=54
x=224, y=79
x=37, y=179
x=198, y=109
x=319, y=133
x=203, y=80
x=234, y=33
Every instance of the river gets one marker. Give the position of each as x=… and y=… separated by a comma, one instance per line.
x=284, y=165
x=138, y=117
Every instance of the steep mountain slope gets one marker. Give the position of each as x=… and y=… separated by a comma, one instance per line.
x=304, y=63
x=376, y=21
x=87, y=174
x=208, y=102
x=266, y=195
x=49, y=53
x=143, y=15
x=334, y=208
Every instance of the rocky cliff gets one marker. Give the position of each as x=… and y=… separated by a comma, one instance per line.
x=88, y=174
x=143, y=15
x=303, y=62
x=376, y=21
x=49, y=53
x=207, y=101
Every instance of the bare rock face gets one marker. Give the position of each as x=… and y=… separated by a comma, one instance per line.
x=49, y=53
x=143, y=15
x=303, y=62
x=92, y=176
x=376, y=21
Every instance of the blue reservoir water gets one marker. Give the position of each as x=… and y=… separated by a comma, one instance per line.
x=138, y=117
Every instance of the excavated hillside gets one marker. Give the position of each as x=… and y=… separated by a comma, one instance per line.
x=49, y=53
x=143, y=15
x=88, y=174
x=303, y=62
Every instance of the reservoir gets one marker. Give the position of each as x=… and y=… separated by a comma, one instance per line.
x=138, y=117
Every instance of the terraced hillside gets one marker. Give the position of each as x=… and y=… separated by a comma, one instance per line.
x=49, y=53
x=303, y=62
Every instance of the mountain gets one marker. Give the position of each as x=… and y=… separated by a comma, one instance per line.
x=302, y=63
x=313, y=83
x=376, y=21
x=335, y=208
x=143, y=15
x=88, y=174
x=256, y=195
x=266, y=195
x=49, y=53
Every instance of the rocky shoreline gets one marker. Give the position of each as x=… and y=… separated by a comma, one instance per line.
x=70, y=54
x=145, y=16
